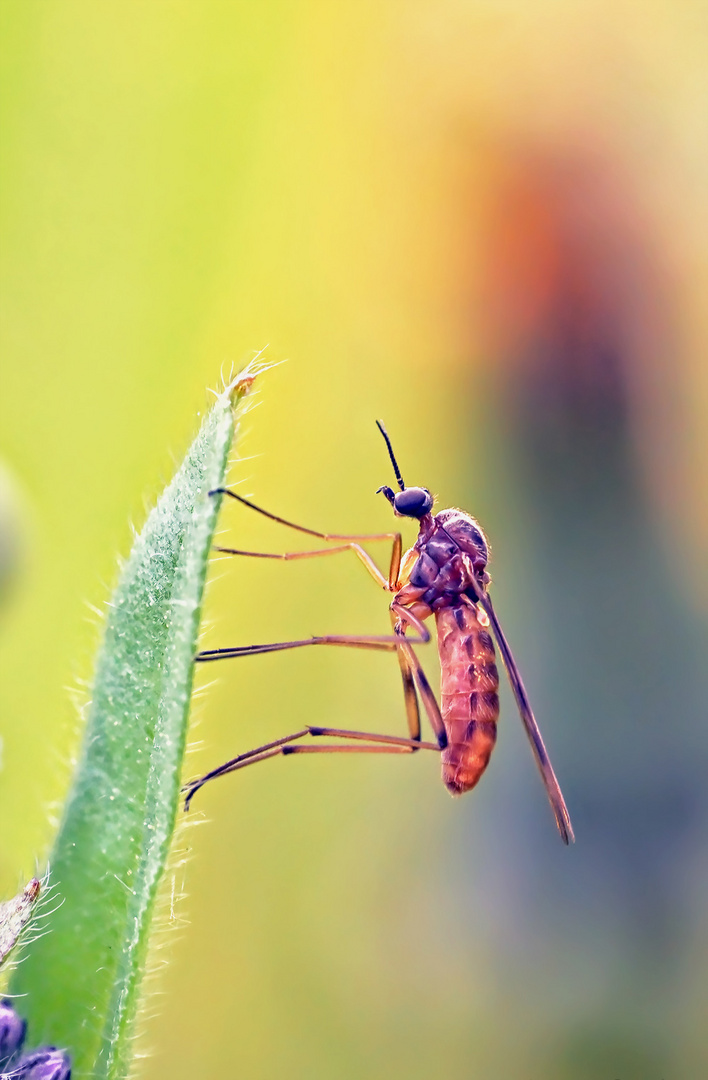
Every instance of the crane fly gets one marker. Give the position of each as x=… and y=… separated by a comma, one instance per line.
x=444, y=574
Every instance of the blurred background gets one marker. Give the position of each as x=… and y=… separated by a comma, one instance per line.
x=486, y=224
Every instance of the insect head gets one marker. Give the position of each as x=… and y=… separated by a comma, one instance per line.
x=413, y=502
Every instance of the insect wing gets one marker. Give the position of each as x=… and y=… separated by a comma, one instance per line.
x=552, y=786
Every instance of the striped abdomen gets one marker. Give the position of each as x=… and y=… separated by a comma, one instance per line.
x=469, y=695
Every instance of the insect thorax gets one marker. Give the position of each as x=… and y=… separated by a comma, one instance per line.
x=450, y=551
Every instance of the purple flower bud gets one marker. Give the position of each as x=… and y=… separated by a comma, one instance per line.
x=12, y=1034
x=47, y=1063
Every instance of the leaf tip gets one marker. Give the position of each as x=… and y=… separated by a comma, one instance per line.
x=240, y=384
x=17, y=914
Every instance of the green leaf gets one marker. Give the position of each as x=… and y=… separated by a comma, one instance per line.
x=82, y=978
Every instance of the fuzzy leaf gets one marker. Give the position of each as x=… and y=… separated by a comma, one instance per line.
x=82, y=978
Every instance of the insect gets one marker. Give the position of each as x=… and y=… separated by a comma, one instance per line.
x=444, y=574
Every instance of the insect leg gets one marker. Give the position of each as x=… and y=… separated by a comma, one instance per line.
x=409, y=695
x=250, y=757
x=288, y=556
x=301, y=528
x=367, y=736
x=395, y=564
x=387, y=743
x=396, y=551
x=382, y=744
x=384, y=643
x=429, y=700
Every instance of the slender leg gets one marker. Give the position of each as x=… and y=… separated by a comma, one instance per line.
x=429, y=700
x=382, y=744
x=301, y=528
x=395, y=565
x=395, y=537
x=287, y=556
x=398, y=642
x=410, y=666
x=409, y=695
x=261, y=752
x=383, y=643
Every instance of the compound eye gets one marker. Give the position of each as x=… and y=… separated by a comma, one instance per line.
x=413, y=502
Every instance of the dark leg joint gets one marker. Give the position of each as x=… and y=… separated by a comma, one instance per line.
x=189, y=791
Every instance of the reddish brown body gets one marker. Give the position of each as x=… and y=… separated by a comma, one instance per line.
x=469, y=699
x=450, y=551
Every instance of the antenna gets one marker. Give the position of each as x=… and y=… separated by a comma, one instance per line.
x=391, y=454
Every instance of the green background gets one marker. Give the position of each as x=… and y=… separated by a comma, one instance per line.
x=405, y=200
